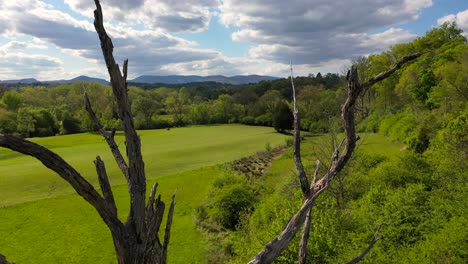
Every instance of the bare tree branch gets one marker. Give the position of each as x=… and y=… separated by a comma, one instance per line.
x=61, y=167
x=307, y=224
x=167, y=232
x=108, y=137
x=136, y=240
x=305, y=238
x=316, y=172
x=3, y=260
x=367, y=250
x=273, y=248
x=383, y=75
x=105, y=185
x=297, y=144
x=136, y=166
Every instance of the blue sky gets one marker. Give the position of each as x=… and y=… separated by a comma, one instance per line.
x=55, y=39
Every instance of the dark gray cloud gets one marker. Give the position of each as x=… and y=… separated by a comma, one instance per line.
x=63, y=35
x=317, y=30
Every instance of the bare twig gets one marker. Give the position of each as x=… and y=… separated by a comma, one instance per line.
x=105, y=185
x=367, y=250
x=108, y=137
x=316, y=172
x=167, y=232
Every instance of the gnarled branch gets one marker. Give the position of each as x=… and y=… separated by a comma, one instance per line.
x=272, y=249
x=136, y=166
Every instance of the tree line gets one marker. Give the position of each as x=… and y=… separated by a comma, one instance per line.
x=35, y=111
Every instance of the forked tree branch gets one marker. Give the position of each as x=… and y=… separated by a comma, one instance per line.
x=136, y=241
x=273, y=248
x=136, y=166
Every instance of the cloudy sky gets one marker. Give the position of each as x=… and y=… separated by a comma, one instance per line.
x=55, y=39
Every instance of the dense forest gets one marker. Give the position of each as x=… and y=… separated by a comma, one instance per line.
x=419, y=196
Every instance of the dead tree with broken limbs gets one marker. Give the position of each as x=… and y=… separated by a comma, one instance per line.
x=339, y=159
x=137, y=239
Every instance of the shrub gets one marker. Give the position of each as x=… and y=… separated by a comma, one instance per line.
x=248, y=120
x=230, y=202
x=70, y=125
x=264, y=120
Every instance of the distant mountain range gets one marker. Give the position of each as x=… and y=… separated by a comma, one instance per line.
x=169, y=79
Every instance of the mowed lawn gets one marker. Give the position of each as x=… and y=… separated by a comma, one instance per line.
x=23, y=178
x=42, y=221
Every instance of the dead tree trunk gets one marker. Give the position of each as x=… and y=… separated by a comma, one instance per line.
x=273, y=248
x=136, y=240
x=3, y=260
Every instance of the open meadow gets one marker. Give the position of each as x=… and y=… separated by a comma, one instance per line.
x=42, y=221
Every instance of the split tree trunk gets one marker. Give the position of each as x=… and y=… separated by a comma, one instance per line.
x=136, y=240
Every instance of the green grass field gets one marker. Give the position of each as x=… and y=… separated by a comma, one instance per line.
x=41, y=221
x=23, y=178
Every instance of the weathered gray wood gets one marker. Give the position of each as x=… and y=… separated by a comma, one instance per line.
x=105, y=185
x=273, y=248
x=136, y=241
x=3, y=260
x=301, y=174
x=108, y=137
x=302, y=259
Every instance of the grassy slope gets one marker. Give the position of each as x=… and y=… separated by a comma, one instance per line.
x=166, y=152
x=278, y=180
x=29, y=232
x=64, y=229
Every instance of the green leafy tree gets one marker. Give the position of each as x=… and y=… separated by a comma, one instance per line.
x=178, y=106
x=12, y=100
x=283, y=117
x=201, y=113
x=25, y=121
x=146, y=107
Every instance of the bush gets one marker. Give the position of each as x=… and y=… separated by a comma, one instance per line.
x=70, y=125
x=320, y=126
x=231, y=196
x=283, y=117
x=264, y=120
x=230, y=202
x=248, y=120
